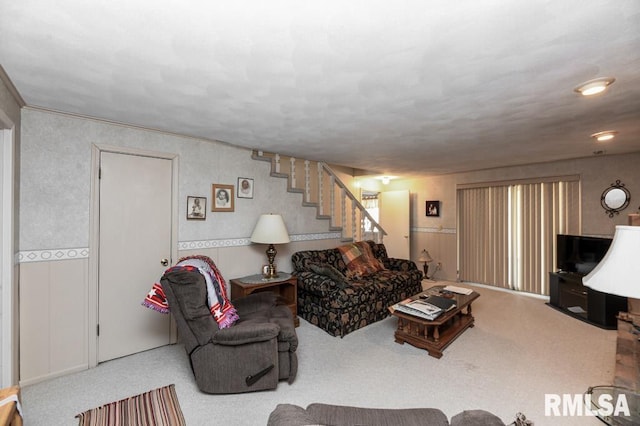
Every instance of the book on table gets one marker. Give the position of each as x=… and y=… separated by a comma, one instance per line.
x=441, y=302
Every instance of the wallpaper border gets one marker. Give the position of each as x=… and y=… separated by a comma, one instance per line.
x=51, y=255
x=434, y=230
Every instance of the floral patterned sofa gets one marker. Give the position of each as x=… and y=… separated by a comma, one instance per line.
x=335, y=298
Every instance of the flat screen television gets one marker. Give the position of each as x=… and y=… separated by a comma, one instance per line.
x=578, y=254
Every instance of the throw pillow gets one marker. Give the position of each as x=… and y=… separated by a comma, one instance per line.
x=359, y=259
x=330, y=272
x=379, y=251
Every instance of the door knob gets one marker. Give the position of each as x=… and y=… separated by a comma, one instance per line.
x=164, y=262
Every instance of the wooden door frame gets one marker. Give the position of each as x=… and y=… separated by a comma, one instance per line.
x=10, y=313
x=94, y=235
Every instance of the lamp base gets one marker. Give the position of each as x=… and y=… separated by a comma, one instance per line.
x=271, y=271
x=425, y=269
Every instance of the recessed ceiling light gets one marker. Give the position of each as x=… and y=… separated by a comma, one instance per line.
x=595, y=86
x=607, y=135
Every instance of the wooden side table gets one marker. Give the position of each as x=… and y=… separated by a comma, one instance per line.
x=285, y=285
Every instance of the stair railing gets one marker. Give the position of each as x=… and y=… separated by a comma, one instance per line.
x=331, y=197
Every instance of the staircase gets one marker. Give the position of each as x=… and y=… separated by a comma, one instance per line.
x=322, y=188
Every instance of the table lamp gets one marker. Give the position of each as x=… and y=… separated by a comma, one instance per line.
x=426, y=258
x=619, y=271
x=271, y=230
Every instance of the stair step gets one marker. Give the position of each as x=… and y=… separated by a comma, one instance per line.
x=322, y=168
x=258, y=157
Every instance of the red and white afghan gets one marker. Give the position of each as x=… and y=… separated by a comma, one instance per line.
x=221, y=308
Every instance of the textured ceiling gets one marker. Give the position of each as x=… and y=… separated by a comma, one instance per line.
x=402, y=87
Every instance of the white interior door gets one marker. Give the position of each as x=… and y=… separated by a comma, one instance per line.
x=395, y=219
x=135, y=235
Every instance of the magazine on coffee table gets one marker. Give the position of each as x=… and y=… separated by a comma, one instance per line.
x=417, y=308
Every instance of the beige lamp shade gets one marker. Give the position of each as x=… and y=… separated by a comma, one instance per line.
x=619, y=271
x=425, y=257
x=270, y=229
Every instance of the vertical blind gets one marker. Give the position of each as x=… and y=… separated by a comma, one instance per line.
x=507, y=231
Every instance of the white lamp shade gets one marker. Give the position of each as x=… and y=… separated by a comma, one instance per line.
x=270, y=229
x=619, y=271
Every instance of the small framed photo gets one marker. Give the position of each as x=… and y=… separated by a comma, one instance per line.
x=196, y=208
x=245, y=187
x=433, y=208
x=222, y=198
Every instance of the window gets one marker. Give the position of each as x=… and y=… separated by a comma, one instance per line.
x=370, y=203
x=507, y=231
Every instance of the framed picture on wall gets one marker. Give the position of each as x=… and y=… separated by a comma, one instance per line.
x=196, y=208
x=433, y=208
x=221, y=198
x=245, y=187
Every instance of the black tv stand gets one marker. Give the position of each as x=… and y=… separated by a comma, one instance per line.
x=568, y=295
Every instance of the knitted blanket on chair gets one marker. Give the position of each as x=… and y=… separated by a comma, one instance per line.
x=221, y=308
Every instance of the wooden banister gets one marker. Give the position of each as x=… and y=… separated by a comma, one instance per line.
x=323, y=196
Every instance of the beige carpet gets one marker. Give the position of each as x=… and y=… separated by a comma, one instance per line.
x=519, y=350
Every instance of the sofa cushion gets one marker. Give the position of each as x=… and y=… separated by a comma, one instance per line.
x=316, y=284
x=290, y=415
x=379, y=251
x=302, y=259
x=331, y=272
x=327, y=414
x=476, y=418
x=359, y=259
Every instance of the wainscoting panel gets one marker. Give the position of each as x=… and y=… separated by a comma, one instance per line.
x=53, y=319
x=54, y=322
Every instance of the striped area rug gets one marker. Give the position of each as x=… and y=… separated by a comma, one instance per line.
x=158, y=407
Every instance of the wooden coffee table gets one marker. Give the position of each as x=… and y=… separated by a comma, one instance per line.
x=436, y=335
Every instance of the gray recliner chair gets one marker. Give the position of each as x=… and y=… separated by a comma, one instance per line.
x=252, y=355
